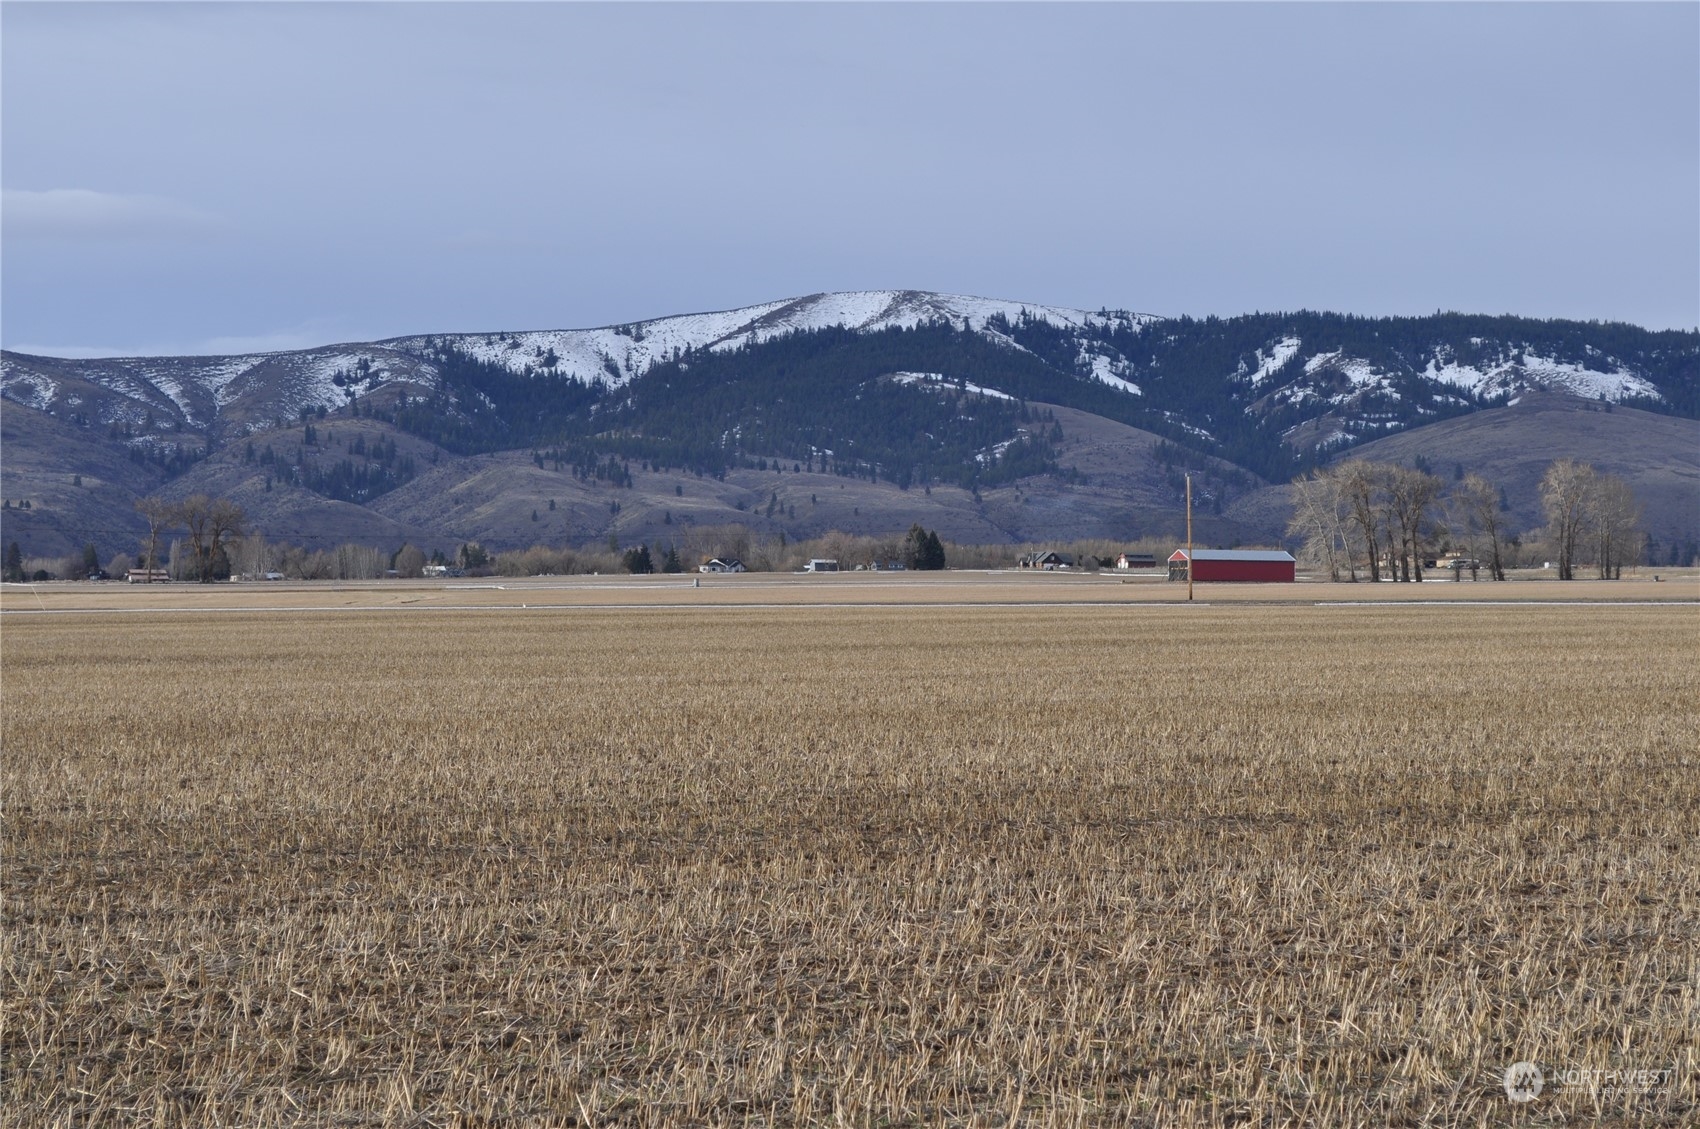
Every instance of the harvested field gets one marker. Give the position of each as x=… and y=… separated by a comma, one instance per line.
x=759, y=589
x=1051, y=865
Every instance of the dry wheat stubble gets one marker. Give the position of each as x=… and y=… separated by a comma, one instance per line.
x=1056, y=866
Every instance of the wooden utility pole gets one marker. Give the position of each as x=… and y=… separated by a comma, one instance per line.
x=1189, y=537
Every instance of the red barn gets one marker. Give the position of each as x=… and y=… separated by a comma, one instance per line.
x=1233, y=564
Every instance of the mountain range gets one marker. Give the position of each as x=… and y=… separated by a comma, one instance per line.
x=863, y=412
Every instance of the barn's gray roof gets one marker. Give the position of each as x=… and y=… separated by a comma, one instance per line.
x=1237, y=554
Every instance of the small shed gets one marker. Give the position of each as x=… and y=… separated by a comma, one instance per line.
x=1233, y=564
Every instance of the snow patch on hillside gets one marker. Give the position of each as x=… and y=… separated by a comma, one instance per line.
x=1538, y=372
x=1175, y=419
x=30, y=389
x=1279, y=354
x=1103, y=371
x=1360, y=372
x=995, y=452
x=943, y=383
x=218, y=378
x=192, y=384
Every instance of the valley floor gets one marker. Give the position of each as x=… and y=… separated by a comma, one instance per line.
x=964, y=850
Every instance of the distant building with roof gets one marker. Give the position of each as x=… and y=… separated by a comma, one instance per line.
x=1233, y=564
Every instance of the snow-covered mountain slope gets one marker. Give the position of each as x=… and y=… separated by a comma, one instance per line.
x=612, y=356
x=1312, y=379
x=206, y=393
x=195, y=392
x=1335, y=377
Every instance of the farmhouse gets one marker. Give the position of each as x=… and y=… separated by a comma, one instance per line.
x=821, y=564
x=1050, y=560
x=1136, y=560
x=722, y=564
x=1233, y=564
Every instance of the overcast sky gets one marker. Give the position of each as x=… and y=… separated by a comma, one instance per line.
x=221, y=177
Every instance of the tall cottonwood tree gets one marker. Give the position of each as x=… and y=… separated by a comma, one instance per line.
x=210, y=522
x=1363, y=486
x=1614, y=518
x=1411, y=496
x=1567, y=491
x=1322, y=520
x=1477, y=505
x=160, y=516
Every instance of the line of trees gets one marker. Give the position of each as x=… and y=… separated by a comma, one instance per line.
x=1591, y=518
x=1388, y=520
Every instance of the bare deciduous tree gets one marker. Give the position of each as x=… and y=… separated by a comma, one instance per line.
x=194, y=513
x=1411, y=494
x=225, y=521
x=1478, y=508
x=1614, y=516
x=1566, y=492
x=1362, y=486
x=357, y=562
x=1322, y=519
x=160, y=515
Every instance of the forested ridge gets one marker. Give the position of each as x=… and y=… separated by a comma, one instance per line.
x=818, y=397
x=822, y=397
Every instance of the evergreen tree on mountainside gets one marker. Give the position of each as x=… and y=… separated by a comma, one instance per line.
x=482, y=406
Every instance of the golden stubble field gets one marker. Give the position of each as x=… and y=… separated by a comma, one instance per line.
x=1061, y=865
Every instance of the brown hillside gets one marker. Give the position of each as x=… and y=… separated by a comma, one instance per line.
x=41, y=460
